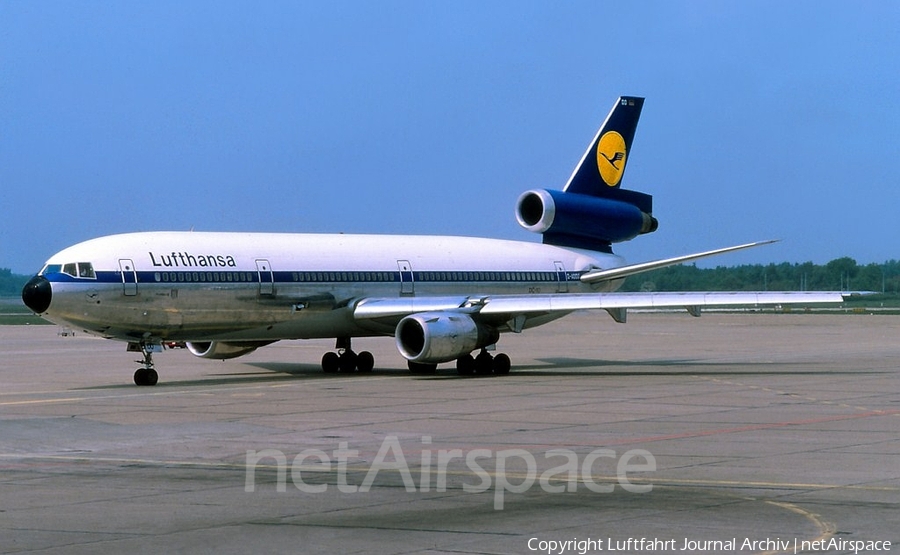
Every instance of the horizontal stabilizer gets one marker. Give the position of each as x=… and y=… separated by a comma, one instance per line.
x=625, y=271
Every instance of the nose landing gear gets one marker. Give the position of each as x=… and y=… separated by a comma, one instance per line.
x=145, y=375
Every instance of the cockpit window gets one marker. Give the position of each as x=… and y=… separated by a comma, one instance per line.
x=79, y=269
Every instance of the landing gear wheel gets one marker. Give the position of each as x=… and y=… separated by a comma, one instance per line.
x=465, y=365
x=365, y=362
x=347, y=361
x=145, y=376
x=484, y=363
x=502, y=364
x=331, y=362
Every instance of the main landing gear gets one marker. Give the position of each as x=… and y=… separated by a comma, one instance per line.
x=483, y=364
x=345, y=360
x=146, y=375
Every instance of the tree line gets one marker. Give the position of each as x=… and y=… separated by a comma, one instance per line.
x=11, y=284
x=841, y=274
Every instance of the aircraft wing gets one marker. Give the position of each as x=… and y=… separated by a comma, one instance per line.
x=502, y=307
x=581, y=301
x=499, y=308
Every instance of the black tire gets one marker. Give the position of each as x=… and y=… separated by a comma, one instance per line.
x=365, y=362
x=331, y=362
x=145, y=376
x=347, y=361
x=502, y=364
x=484, y=363
x=465, y=365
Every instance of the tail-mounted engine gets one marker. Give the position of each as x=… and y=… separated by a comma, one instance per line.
x=433, y=337
x=586, y=221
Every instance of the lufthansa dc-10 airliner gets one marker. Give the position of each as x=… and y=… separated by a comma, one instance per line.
x=443, y=299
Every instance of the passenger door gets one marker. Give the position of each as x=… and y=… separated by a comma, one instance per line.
x=129, y=277
x=562, y=280
x=407, y=286
x=266, y=279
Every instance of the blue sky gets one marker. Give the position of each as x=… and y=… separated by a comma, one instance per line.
x=762, y=120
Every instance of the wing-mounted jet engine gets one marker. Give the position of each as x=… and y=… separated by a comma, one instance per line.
x=433, y=337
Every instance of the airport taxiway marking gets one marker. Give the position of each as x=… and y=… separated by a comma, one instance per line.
x=826, y=529
x=169, y=390
x=44, y=401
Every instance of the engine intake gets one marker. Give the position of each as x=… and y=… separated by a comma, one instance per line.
x=221, y=350
x=571, y=219
x=433, y=337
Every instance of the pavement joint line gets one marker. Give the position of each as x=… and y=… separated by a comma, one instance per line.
x=361, y=468
x=806, y=397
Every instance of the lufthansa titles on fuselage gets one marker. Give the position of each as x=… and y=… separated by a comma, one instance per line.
x=187, y=260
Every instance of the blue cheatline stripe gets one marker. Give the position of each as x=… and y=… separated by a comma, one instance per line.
x=251, y=276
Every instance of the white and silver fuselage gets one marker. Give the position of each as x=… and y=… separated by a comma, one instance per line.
x=192, y=286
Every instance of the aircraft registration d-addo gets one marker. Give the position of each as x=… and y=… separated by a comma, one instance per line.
x=443, y=299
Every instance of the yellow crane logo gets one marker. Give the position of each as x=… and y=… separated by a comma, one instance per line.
x=611, y=157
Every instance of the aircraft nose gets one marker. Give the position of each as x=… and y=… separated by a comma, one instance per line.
x=37, y=294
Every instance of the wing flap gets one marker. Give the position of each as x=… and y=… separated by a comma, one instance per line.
x=585, y=301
